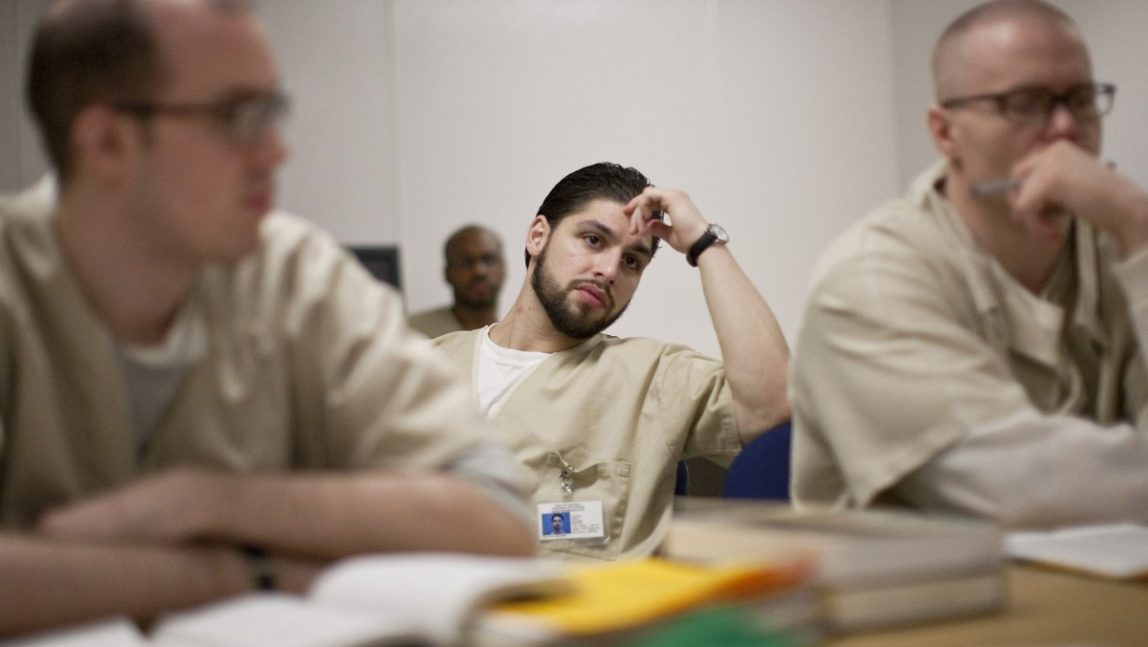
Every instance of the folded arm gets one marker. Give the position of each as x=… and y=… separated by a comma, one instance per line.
x=173, y=540
x=1065, y=177
x=899, y=399
x=51, y=583
x=321, y=516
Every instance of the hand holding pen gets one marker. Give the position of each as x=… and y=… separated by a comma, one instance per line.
x=1064, y=180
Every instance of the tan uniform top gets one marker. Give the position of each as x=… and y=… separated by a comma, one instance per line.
x=308, y=364
x=435, y=323
x=925, y=375
x=620, y=413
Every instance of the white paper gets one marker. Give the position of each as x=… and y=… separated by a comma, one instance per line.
x=1113, y=550
x=279, y=620
x=115, y=632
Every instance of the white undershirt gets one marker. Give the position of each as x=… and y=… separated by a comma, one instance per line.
x=153, y=374
x=500, y=370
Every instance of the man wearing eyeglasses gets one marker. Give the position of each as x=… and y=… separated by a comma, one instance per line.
x=199, y=397
x=474, y=269
x=975, y=347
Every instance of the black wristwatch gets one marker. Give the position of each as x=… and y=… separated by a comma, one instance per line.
x=714, y=234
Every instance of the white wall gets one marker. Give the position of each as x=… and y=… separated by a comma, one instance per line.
x=776, y=117
x=786, y=120
x=336, y=62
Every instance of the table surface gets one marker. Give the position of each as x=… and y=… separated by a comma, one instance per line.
x=1045, y=607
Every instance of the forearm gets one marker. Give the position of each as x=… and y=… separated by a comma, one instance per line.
x=754, y=351
x=1039, y=471
x=1132, y=203
x=331, y=516
x=48, y=583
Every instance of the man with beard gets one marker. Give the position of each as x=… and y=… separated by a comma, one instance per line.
x=474, y=270
x=602, y=421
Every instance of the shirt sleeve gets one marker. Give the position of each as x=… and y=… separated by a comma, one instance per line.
x=900, y=400
x=376, y=394
x=691, y=386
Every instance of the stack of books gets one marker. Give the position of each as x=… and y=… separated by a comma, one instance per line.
x=626, y=603
x=875, y=569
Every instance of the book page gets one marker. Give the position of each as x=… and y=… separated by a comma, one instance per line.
x=281, y=620
x=115, y=632
x=440, y=592
x=1111, y=550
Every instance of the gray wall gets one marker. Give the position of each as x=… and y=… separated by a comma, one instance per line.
x=21, y=159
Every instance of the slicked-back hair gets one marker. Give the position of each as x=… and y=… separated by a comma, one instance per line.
x=601, y=181
x=92, y=51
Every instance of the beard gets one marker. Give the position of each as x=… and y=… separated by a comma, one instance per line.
x=576, y=322
x=467, y=299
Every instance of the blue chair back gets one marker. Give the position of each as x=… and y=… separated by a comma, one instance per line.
x=682, y=484
x=761, y=470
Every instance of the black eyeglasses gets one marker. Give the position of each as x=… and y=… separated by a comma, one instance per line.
x=243, y=118
x=1031, y=104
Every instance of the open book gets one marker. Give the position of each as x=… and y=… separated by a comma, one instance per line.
x=112, y=632
x=875, y=568
x=401, y=599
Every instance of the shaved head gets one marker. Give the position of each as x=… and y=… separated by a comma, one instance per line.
x=952, y=55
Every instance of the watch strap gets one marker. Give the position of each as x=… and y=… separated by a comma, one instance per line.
x=700, y=245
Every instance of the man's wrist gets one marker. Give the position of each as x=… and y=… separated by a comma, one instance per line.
x=713, y=235
x=260, y=564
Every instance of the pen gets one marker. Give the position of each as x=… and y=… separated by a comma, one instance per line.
x=993, y=187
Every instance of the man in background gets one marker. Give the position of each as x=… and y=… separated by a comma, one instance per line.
x=977, y=346
x=199, y=397
x=602, y=421
x=474, y=269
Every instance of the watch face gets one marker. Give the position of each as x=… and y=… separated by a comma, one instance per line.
x=719, y=232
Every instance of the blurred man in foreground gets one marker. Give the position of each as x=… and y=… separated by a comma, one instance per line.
x=977, y=346
x=199, y=397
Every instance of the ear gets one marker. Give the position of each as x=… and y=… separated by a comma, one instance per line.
x=103, y=142
x=537, y=235
x=941, y=127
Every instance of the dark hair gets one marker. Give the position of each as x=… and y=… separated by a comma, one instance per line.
x=86, y=51
x=464, y=231
x=601, y=181
x=89, y=51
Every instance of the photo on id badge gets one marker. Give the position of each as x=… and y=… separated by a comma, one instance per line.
x=570, y=520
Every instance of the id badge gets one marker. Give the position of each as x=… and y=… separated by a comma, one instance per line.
x=571, y=520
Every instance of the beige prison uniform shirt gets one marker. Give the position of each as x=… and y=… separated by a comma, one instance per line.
x=621, y=413
x=308, y=365
x=924, y=375
x=435, y=323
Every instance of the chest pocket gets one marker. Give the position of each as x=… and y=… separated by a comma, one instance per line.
x=607, y=482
